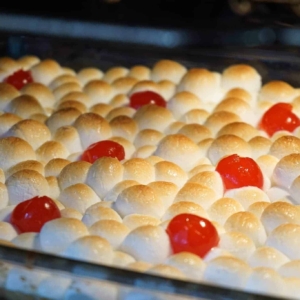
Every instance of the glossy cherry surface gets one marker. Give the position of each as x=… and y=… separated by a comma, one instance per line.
x=19, y=79
x=279, y=117
x=140, y=99
x=191, y=233
x=101, y=149
x=30, y=215
x=239, y=171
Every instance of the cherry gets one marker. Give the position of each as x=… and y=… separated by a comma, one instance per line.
x=239, y=171
x=101, y=149
x=191, y=233
x=279, y=117
x=140, y=99
x=30, y=215
x=19, y=79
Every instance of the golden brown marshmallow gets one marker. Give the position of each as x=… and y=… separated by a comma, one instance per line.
x=277, y=91
x=140, y=72
x=226, y=145
x=77, y=96
x=124, y=126
x=7, y=120
x=127, y=145
x=62, y=79
x=146, y=137
x=88, y=74
x=144, y=85
x=9, y=64
x=120, y=111
x=113, y=194
x=119, y=100
x=45, y=71
x=25, y=184
x=26, y=165
x=133, y=221
x=17, y=150
x=167, y=89
x=239, y=93
x=65, y=89
x=166, y=271
x=73, y=173
x=257, y=208
x=54, y=190
x=290, y=269
x=7, y=94
x=34, y=132
x=28, y=61
x=198, y=116
x=284, y=146
x=92, y=128
x=195, y=132
x=99, y=91
x=123, y=85
x=115, y=73
x=50, y=150
x=54, y=166
x=260, y=146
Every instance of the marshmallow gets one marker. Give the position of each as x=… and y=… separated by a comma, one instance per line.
x=34, y=132
x=71, y=213
x=5, y=213
x=290, y=269
x=223, y=208
x=139, y=266
x=97, y=212
x=127, y=145
x=7, y=231
x=226, y=145
x=140, y=73
x=54, y=189
x=277, y=91
x=51, y=150
x=115, y=73
x=139, y=199
x=148, y=137
x=122, y=259
x=119, y=100
x=28, y=61
x=147, y=243
x=292, y=288
x=238, y=244
x=240, y=94
x=26, y=184
x=26, y=165
x=166, y=271
x=76, y=96
x=62, y=79
x=25, y=106
x=267, y=257
x=197, y=116
x=260, y=146
x=184, y=207
x=65, y=89
x=279, y=213
x=90, y=248
x=133, y=221
x=58, y=234
x=101, y=109
x=120, y=111
x=257, y=208
x=98, y=91
x=195, y=132
x=54, y=166
x=9, y=64
x=4, y=198
x=124, y=126
x=73, y=104
x=144, y=152
x=89, y=74
x=248, y=224
x=167, y=89
x=285, y=238
x=7, y=94
x=27, y=240
x=284, y=146
x=113, y=231
x=7, y=120
x=123, y=85
x=267, y=164
x=92, y=128
x=104, y=174
x=204, y=166
x=73, y=173
x=227, y=271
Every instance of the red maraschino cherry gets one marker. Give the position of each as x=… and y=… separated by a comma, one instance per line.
x=19, y=79
x=140, y=99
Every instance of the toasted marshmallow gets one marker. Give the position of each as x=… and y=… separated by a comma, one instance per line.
x=63, y=79
x=184, y=207
x=92, y=128
x=239, y=93
x=45, y=71
x=223, y=208
x=241, y=76
x=197, y=116
x=26, y=165
x=28, y=61
x=115, y=73
x=7, y=93
x=113, y=194
x=180, y=150
x=217, y=120
x=90, y=248
x=120, y=100
x=183, y=102
x=71, y=213
x=65, y=89
x=76, y=96
x=41, y=93
x=174, y=127
x=113, y=231
x=98, y=212
x=287, y=170
x=290, y=269
x=247, y=195
x=195, y=132
x=265, y=281
x=294, y=190
x=54, y=166
x=226, y=145
x=104, y=174
x=7, y=231
x=50, y=150
x=279, y=213
x=260, y=146
x=267, y=257
x=98, y=91
x=68, y=71
x=101, y=109
x=196, y=193
x=153, y=117
x=7, y=120
x=2, y=176
x=140, y=72
x=204, y=166
x=73, y=173
x=9, y=64
x=289, y=233
x=277, y=91
x=167, y=89
x=140, y=199
x=124, y=126
x=34, y=132
x=147, y=243
x=144, y=152
x=62, y=117
x=166, y=271
x=58, y=234
x=238, y=244
x=127, y=145
x=247, y=223
x=26, y=184
x=267, y=164
x=122, y=259
x=133, y=221
x=17, y=150
x=284, y=146
x=78, y=196
x=122, y=86
x=89, y=74
x=227, y=271
x=24, y=106
x=73, y=104
x=120, y=111
x=4, y=198
x=210, y=179
x=201, y=82
x=292, y=285
x=54, y=189
x=144, y=85
x=257, y=208
x=168, y=70
x=27, y=240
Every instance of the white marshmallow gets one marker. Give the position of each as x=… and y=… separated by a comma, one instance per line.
x=7, y=231
x=5, y=213
x=258, y=208
x=122, y=259
x=51, y=150
x=290, y=269
x=28, y=240
x=71, y=213
x=4, y=199
x=137, y=220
